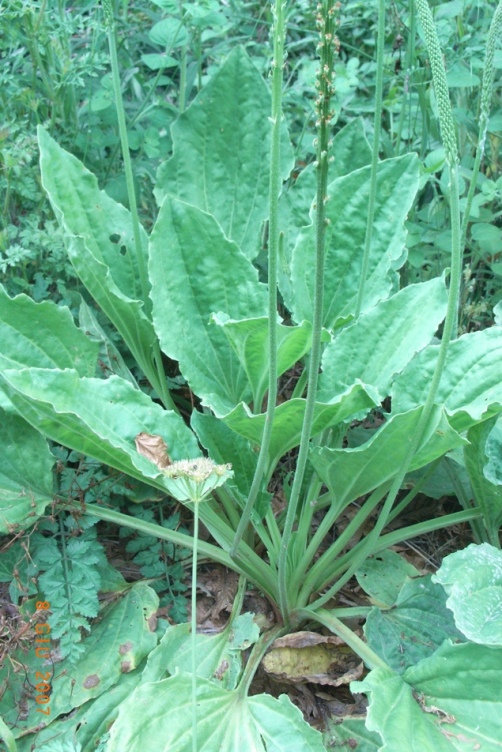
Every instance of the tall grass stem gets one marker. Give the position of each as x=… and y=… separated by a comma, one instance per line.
x=328, y=46
x=194, y=625
x=156, y=374
x=448, y=137
x=377, y=128
x=486, y=96
x=273, y=253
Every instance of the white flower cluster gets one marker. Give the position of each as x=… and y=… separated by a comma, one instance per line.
x=193, y=480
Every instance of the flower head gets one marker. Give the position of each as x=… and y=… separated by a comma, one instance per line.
x=193, y=480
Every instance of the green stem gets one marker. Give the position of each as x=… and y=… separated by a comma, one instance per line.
x=324, y=564
x=194, y=627
x=226, y=499
x=300, y=384
x=38, y=66
x=465, y=502
x=422, y=528
x=159, y=380
x=386, y=541
x=351, y=612
x=415, y=490
x=326, y=23
x=264, y=536
x=64, y=559
x=131, y=193
x=327, y=619
x=248, y=563
x=183, y=80
x=486, y=95
x=374, y=160
x=450, y=146
x=273, y=252
x=329, y=437
x=183, y=69
x=408, y=73
x=307, y=512
x=8, y=737
x=157, y=531
x=254, y=660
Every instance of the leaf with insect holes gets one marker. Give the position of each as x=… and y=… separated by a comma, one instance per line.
x=116, y=646
x=448, y=702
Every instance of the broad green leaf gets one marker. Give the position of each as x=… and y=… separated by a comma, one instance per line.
x=110, y=360
x=158, y=716
x=288, y=420
x=351, y=473
x=461, y=76
x=352, y=152
x=473, y=580
x=470, y=388
x=221, y=153
x=169, y=33
x=397, y=717
x=224, y=445
x=42, y=335
x=487, y=495
x=218, y=656
x=196, y=271
x=100, y=243
x=249, y=339
x=100, y=418
x=397, y=183
x=350, y=149
x=464, y=682
x=384, y=339
x=155, y=61
x=26, y=482
x=488, y=236
x=116, y=645
x=414, y=627
x=493, y=448
x=382, y=576
x=441, y=482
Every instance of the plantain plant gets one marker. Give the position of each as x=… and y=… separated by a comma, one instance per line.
x=361, y=347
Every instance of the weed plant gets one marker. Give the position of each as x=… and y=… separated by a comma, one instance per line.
x=386, y=401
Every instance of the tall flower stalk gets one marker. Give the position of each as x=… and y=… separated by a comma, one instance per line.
x=273, y=253
x=192, y=481
x=154, y=371
x=486, y=96
x=328, y=45
x=448, y=137
x=377, y=127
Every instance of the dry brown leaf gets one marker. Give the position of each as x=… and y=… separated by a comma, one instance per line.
x=154, y=448
x=310, y=657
